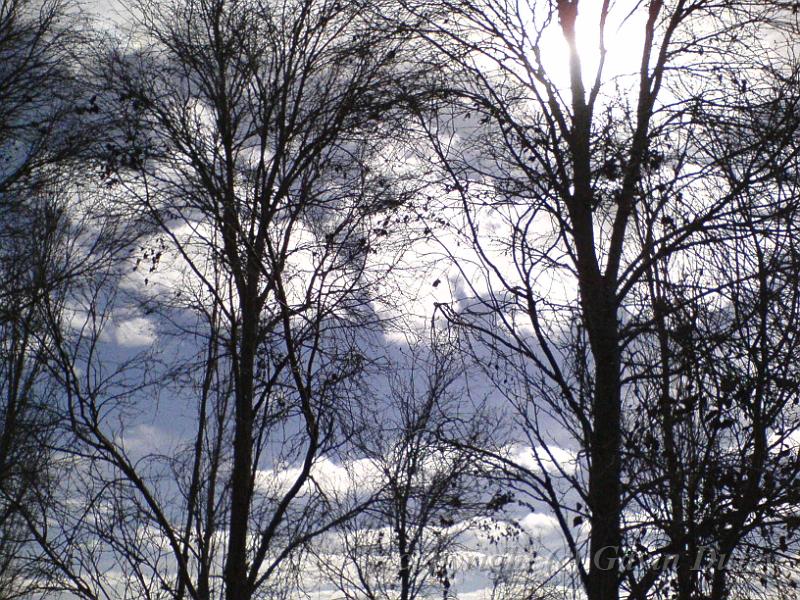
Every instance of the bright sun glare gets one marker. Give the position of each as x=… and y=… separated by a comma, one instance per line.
x=624, y=37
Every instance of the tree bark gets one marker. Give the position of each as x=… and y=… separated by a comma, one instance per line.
x=236, y=567
x=604, y=469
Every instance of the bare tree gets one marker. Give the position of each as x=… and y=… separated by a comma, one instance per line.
x=556, y=170
x=27, y=419
x=719, y=394
x=42, y=104
x=247, y=137
x=630, y=287
x=425, y=487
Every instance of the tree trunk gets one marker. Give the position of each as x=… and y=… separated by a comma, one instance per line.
x=604, y=470
x=236, y=568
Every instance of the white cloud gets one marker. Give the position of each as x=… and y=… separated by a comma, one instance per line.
x=539, y=524
x=355, y=476
x=145, y=439
x=551, y=458
x=135, y=332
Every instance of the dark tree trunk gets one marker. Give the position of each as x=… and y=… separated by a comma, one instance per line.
x=604, y=470
x=236, y=567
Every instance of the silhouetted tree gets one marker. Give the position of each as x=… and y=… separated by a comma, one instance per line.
x=425, y=489
x=40, y=143
x=246, y=136
x=572, y=182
